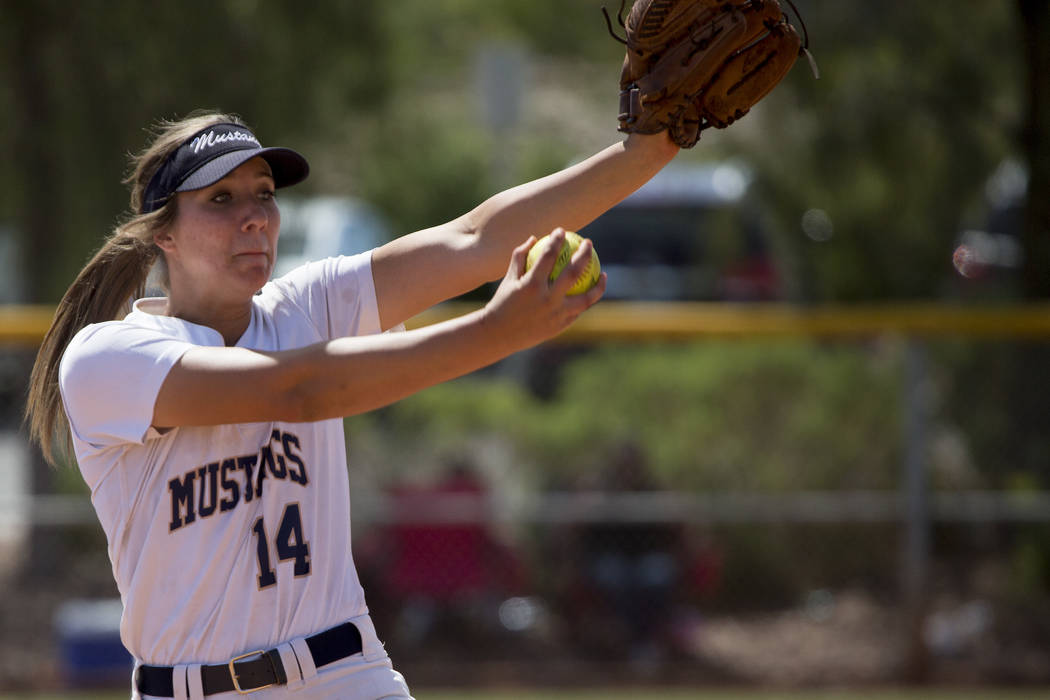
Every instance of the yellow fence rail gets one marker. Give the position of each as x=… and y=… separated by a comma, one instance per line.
x=688, y=320
x=26, y=325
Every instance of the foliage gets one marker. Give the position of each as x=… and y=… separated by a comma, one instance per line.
x=911, y=113
x=83, y=81
x=708, y=416
x=407, y=153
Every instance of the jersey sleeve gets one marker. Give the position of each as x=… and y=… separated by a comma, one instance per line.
x=337, y=293
x=109, y=377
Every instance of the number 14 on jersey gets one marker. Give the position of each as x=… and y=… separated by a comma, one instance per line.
x=289, y=544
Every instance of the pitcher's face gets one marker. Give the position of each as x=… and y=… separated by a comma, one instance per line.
x=224, y=237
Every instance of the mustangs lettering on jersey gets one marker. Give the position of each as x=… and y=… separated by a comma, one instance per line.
x=222, y=485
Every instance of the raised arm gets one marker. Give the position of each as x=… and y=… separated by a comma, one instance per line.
x=416, y=271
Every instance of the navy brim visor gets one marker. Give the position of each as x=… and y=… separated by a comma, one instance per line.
x=210, y=155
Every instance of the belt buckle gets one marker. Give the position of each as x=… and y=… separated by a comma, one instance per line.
x=234, y=677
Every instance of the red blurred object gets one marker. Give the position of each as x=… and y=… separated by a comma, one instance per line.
x=967, y=263
x=440, y=544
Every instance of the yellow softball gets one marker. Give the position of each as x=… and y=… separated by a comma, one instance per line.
x=587, y=279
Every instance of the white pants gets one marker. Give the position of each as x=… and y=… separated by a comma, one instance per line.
x=368, y=675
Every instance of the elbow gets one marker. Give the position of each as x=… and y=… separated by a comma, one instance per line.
x=316, y=385
x=324, y=399
x=299, y=405
x=296, y=392
x=477, y=252
x=486, y=246
x=471, y=223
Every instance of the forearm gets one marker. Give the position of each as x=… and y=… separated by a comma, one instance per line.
x=348, y=376
x=570, y=198
x=345, y=376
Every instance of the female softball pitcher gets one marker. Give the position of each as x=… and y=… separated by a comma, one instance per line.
x=208, y=423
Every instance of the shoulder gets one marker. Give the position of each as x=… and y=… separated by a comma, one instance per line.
x=136, y=330
x=114, y=348
x=109, y=377
x=98, y=337
x=321, y=274
x=336, y=294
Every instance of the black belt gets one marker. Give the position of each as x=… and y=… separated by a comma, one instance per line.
x=257, y=673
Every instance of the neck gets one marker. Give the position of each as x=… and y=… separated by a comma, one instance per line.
x=229, y=321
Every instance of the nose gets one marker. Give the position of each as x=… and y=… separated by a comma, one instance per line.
x=255, y=217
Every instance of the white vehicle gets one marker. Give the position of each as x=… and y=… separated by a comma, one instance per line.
x=321, y=227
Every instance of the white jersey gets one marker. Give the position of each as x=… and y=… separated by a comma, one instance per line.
x=227, y=538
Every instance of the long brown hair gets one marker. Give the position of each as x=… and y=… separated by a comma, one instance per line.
x=111, y=280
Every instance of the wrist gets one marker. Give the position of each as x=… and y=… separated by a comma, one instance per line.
x=492, y=331
x=657, y=146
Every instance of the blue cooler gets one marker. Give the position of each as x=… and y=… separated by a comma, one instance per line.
x=89, y=648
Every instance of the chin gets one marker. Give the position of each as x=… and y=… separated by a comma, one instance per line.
x=250, y=285
x=256, y=275
x=259, y=283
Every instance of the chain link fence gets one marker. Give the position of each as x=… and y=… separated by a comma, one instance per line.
x=609, y=572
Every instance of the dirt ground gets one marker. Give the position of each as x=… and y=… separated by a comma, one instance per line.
x=832, y=639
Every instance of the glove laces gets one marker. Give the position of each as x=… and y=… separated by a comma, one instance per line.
x=619, y=18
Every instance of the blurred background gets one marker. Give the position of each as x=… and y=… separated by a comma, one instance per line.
x=803, y=443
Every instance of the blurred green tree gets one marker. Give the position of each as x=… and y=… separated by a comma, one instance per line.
x=82, y=81
x=894, y=142
x=697, y=410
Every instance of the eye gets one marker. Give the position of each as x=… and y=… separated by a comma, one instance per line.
x=221, y=197
x=267, y=194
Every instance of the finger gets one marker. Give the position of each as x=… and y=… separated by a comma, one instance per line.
x=518, y=256
x=545, y=263
x=577, y=264
x=592, y=295
x=596, y=292
x=579, y=303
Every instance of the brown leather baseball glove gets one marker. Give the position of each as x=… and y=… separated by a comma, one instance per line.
x=693, y=64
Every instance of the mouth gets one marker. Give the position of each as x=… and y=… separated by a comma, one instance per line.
x=253, y=255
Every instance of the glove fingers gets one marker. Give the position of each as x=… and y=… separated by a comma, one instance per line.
x=660, y=23
x=690, y=65
x=749, y=75
x=654, y=26
x=648, y=104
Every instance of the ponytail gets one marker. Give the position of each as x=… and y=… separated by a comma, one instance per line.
x=102, y=291
x=105, y=288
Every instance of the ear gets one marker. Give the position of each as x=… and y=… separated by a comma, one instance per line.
x=164, y=241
